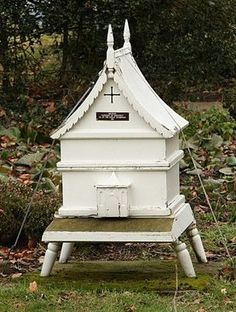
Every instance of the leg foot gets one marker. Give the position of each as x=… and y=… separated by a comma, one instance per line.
x=66, y=251
x=196, y=242
x=184, y=259
x=49, y=259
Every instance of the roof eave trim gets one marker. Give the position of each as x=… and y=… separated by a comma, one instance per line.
x=162, y=130
x=83, y=108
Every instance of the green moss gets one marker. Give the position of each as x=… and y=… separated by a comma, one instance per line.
x=124, y=275
x=146, y=286
x=112, y=224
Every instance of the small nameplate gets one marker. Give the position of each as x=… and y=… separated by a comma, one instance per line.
x=112, y=116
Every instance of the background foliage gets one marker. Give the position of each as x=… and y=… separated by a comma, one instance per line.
x=178, y=44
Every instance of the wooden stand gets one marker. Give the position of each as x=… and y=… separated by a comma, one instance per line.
x=67, y=231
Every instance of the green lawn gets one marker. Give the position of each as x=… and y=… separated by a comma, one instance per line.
x=119, y=287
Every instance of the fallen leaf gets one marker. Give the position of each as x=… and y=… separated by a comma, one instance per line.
x=28, y=182
x=211, y=255
x=33, y=287
x=2, y=112
x=12, y=159
x=30, y=100
x=132, y=308
x=201, y=209
x=30, y=159
x=4, y=145
x=216, y=140
x=16, y=275
x=25, y=176
x=196, y=301
x=226, y=171
x=183, y=164
x=195, y=172
x=50, y=107
x=231, y=161
x=223, y=291
x=233, y=240
x=227, y=301
x=5, y=138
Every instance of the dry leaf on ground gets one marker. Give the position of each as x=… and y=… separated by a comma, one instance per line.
x=33, y=287
x=16, y=275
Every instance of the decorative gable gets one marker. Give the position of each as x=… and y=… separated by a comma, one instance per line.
x=120, y=87
x=110, y=114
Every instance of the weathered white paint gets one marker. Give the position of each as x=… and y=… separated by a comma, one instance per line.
x=103, y=104
x=110, y=150
x=126, y=35
x=164, y=237
x=66, y=251
x=50, y=258
x=172, y=145
x=184, y=259
x=183, y=218
x=196, y=242
x=146, y=192
x=177, y=203
x=144, y=99
x=121, y=165
x=110, y=51
x=112, y=198
x=172, y=182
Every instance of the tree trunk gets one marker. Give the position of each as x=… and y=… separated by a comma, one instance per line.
x=65, y=52
x=4, y=58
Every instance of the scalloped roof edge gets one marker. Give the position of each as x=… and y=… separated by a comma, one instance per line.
x=139, y=94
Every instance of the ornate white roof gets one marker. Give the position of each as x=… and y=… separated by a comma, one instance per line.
x=121, y=66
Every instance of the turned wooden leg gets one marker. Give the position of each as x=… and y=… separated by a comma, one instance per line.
x=184, y=258
x=66, y=251
x=50, y=258
x=196, y=243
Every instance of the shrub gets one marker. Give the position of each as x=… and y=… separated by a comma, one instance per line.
x=14, y=200
x=229, y=98
x=205, y=124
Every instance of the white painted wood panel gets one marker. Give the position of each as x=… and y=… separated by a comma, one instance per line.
x=183, y=218
x=172, y=145
x=103, y=104
x=172, y=182
x=147, y=191
x=100, y=150
x=164, y=237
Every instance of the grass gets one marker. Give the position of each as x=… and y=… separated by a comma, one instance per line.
x=112, y=287
x=69, y=298
x=213, y=241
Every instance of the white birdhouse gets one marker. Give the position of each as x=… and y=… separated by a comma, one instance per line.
x=120, y=166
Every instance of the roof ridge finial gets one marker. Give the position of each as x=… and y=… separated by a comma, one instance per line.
x=110, y=52
x=126, y=35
